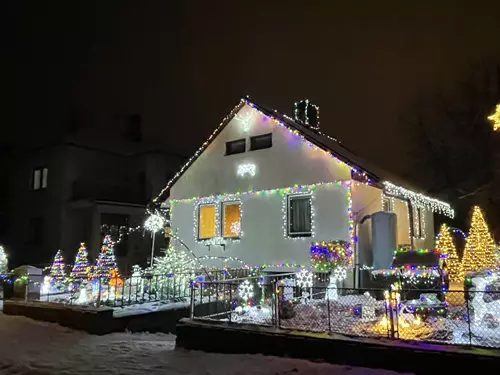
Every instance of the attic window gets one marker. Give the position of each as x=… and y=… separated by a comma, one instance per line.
x=236, y=147
x=260, y=142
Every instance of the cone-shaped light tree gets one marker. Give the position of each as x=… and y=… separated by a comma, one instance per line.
x=4, y=268
x=81, y=267
x=446, y=246
x=479, y=251
x=106, y=261
x=57, y=270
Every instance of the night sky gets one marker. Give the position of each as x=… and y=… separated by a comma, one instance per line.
x=182, y=67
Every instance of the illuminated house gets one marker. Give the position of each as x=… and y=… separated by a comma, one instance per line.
x=265, y=186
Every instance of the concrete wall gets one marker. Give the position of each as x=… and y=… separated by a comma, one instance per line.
x=262, y=224
x=288, y=162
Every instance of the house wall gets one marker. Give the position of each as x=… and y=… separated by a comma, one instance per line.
x=289, y=161
x=263, y=240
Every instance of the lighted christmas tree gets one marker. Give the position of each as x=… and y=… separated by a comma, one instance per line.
x=174, y=265
x=4, y=267
x=446, y=247
x=495, y=118
x=81, y=267
x=479, y=247
x=106, y=262
x=57, y=270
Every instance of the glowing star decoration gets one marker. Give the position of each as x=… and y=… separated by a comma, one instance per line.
x=235, y=227
x=495, y=118
x=244, y=120
x=154, y=223
x=245, y=290
x=246, y=169
x=305, y=279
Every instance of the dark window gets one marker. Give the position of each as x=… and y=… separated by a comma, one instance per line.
x=236, y=147
x=39, y=178
x=260, y=142
x=35, y=234
x=299, y=216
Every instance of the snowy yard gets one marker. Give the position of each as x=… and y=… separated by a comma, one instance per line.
x=36, y=348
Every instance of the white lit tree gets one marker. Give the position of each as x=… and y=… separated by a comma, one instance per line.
x=106, y=262
x=174, y=266
x=4, y=267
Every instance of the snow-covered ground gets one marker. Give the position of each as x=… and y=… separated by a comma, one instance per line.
x=37, y=348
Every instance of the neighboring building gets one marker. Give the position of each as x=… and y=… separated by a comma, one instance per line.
x=64, y=193
x=265, y=186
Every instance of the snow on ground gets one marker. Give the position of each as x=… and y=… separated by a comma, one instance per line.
x=39, y=348
x=148, y=307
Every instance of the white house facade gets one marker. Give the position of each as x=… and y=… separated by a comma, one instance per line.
x=264, y=187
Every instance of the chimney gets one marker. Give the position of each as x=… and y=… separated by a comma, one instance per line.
x=307, y=114
x=134, y=132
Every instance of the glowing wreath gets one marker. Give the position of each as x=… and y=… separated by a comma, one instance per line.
x=245, y=290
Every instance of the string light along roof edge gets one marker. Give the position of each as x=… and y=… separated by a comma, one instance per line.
x=286, y=121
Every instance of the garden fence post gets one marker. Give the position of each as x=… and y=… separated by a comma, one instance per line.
x=468, y=316
x=98, y=302
x=328, y=311
x=191, y=310
x=26, y=287
x=276, y=297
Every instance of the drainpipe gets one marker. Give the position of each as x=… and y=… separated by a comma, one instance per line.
x=410, y=216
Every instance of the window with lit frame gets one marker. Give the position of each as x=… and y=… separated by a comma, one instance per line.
x=207, y=221
x=231, y=219
x=299, y=216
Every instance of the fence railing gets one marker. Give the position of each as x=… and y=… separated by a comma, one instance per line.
x=456, y=317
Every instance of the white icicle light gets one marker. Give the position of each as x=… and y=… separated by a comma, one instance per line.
x=245, y=290
x=154, y=223
x=419, y=200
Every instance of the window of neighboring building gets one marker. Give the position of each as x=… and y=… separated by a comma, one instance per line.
x=36, y=231
x=40, y=177
x=387, y=204
x=236, y=147
x=206, y=221
x=418, y=220
x=260, y=142
x=231, y=219
x=299, y=216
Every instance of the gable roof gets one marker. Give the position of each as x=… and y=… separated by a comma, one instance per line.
x=361, y=167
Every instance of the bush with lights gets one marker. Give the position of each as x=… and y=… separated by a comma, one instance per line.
x=4, y=266
x=174, y=269
x=479, y=251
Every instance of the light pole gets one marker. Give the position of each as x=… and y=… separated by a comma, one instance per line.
x=154, y=223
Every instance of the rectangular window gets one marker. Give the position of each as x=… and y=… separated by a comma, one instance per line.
x=206, y=221
x=231, y=219
x=299, y=216
x=260, y=142
x=386, y=204
x=418, y=220
x=236, y=147
x=40, y=178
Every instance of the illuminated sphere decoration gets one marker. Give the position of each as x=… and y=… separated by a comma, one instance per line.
x=154, y=223
x=245, y=290
x=305, y=279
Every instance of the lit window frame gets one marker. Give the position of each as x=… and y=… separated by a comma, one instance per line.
x=200, y=238
x=288, y=216
x=39, y=178
x=222, y=218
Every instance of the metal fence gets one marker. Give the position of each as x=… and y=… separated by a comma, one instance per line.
x=454, y=317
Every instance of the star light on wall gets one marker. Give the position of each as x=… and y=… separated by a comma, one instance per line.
x=495, y=118
x=244, y=120
x=246, y=169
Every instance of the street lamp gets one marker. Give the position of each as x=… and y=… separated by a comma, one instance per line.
x=154, y=223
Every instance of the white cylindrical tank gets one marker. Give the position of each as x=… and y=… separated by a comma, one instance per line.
x=384, y=239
